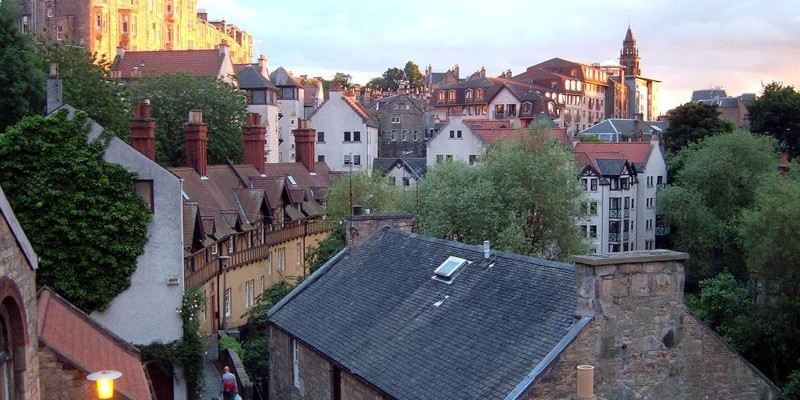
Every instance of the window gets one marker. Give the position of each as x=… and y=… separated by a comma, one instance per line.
x=269, y=264
x=320, y=137
x=441, y=96
x=593, y=208
x=592, y=231
x=98, y=20
x=282, y=259
x=231, y=245
x=458, y=134
x=439, y=158
x=660, y=180
x=320, y=158
x=124, y=26
x=249, y=293
x=228, y=302
x=404, y=135
x=347, y=137
x=406, y=181
x=416, y=135
x=59, y=32
x=356, y=136
x=448, y=157
x=625, y=183
x=479, y=95
x=357, y=159
x=395, y=120
x=347, y=159
x=473, y=159
x=452, y=134
x=295, y=364
x=649, y=202
x=584, y=230
x=648, y=225
x=468, y=95
x=263, y=287
x=649, y=181
x=144, y=188
x=256, y=97
x=451, y=95
x=214, y=248
x=299, y=253
x=393, y=135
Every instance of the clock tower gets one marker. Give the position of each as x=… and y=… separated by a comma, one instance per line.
x=629, y=55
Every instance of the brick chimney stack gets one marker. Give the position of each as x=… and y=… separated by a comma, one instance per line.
x=361, y=226
x=255, y=138
x=143, y=130
x=195, y=134
x=304, y=138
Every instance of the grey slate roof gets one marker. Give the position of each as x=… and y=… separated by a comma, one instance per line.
x=376, y=311
x=708, y=94
x=415, y=166
x=249, y=78
x=617, y=125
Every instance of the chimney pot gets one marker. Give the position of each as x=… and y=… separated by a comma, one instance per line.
x=143, y=130
x=195, y=117
x=487, y=249
x=585, y=382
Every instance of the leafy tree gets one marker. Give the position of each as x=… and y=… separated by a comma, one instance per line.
x=86, y=88
x=21, y=81
x=524, y=197
x=84, y=220
x=377, y=83
x=768, y=235
x=718, y=178
x=393, y=77
x=413, y=76
x=791, y=391
x=691, y=122
x=326, y=249
x=777, y=113
x=369, y=191
x=343, y=79
x=173, y=96
x=720, y=300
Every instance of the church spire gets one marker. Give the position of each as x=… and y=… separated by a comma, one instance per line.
x=629, y=55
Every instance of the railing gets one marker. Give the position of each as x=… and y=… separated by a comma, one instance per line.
x=662, y=230
x=616, y=213
x=662, y=186
x=616, y=237
x=198, y=271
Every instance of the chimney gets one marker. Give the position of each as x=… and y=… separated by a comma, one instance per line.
x=363, y=225
x=223, y=48
x=195, y=134
x=202, y=14
x=487, y=249
x=255, y=138
x=585, y=382
x=143, y=130
x=262, y=66
x=55, y=92
x=304, y=138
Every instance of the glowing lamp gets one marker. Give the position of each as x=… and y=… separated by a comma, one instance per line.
x=105, y=382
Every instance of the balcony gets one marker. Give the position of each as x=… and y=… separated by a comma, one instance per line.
x=662, y=230
x=616, y=237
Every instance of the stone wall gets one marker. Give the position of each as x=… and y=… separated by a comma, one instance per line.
x=60, y=381
x=362, y=226
x=354, y=389
x=18, y=296
x=643, y=342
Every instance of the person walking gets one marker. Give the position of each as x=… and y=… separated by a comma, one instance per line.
x=229, y=387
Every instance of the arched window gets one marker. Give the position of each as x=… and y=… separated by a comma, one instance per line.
x=468, y=95
x=451, y=95
x=479, y=94
x=527, y=107
x=441, y=95
x=6, y=362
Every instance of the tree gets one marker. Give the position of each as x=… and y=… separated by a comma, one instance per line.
x=326, y=248
x=21, y=81
x=173, y=96
x=718, y=178
x=768, y=235
x=524, y=197
x=83, y=219
x=393, y=78
x=377, y=83
x=86, y=88
x=343, y=79
x=413, y=76
x=691, y=122
x=373, y=191
x=777, y=113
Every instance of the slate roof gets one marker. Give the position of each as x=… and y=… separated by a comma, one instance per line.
x=161, y=62
x=376, y=311
x=282, y=78
x=493, y=131
x=635, y=152
x=87, y=346
x=618, y=125
x=708, y=94
x=416, y=166
x=248, y=77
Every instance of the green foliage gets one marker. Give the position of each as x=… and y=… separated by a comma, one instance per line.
x=85, y=86
x=173, y=96
x=720, y=300
x=791, y=391
x=369, y=191
x=80, y=213
x=393, y=77
x=343, y=79
x=413, y=76
x=188, y=351
x=524, y=197
x=777, y=113
x=21, y=81
x=257, y=315
x=691, y=122
x=327, y=248
x=255, y=355
x=230, y=343
x=718, y=178
x=768, y=235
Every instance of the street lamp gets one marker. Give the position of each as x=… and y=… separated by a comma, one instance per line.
x=105, y=382
x=225, y=301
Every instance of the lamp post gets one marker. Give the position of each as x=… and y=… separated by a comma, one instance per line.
x=105, y=382
x=223, y=266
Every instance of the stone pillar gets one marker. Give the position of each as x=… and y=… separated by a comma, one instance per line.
x=143, y=130
x=304, y=138
x=255, y=138
x=195, y=134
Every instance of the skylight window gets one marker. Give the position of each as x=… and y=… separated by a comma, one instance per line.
x=447, y=270
x=292, y=181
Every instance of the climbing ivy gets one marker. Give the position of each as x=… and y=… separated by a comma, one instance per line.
x=80, y=212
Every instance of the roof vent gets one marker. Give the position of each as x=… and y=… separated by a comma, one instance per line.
x=447, y=270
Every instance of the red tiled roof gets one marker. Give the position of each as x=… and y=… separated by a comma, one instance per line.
x=89, y=347
x=162, y=62
x=493, y=131
x=635, y=152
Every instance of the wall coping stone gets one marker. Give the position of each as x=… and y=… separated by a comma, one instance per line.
x=630, y=257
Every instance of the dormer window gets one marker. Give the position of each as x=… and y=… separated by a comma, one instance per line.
x=479, y=94
x=527, y=107
x=441, y=95
x=451, y=95
x=468, y=95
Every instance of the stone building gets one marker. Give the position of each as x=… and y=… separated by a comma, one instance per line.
x=138, y=25
x=405, y=316
x=642, y=91
x=19, y=365
x=403, y=126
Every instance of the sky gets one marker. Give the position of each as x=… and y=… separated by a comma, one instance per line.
x=686, y=44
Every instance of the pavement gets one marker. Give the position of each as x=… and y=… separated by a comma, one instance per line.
x=212, y=389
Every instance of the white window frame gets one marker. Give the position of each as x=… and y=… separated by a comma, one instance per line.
x=227, y=302
x=295, y=364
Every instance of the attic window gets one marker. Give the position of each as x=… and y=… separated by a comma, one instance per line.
x=291, y=180
x=447, y=270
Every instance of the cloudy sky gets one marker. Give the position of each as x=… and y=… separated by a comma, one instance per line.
x=686, y=44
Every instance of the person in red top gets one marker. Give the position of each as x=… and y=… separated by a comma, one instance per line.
x=229, y=387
